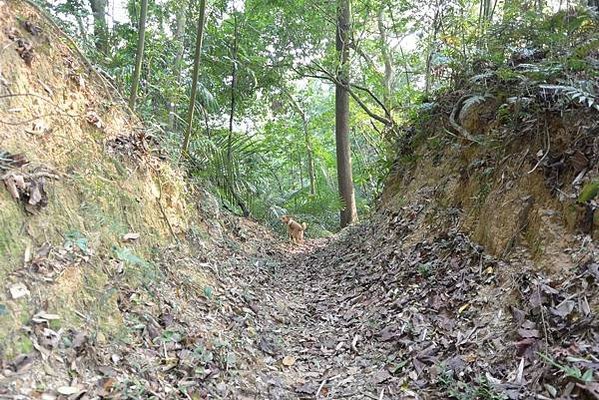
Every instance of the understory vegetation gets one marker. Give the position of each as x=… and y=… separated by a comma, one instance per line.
x=263, y=134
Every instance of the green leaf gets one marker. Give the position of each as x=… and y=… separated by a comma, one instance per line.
x=208, y=292
x=589, y=192
x=588, y=376
x=127, y=256
x=3, y=310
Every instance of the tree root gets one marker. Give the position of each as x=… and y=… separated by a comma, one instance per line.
x=455, y=125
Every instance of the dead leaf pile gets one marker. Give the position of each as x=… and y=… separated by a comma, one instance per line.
x=381, y=312
x=134, y=146
x=28, y=188
x=23, y=46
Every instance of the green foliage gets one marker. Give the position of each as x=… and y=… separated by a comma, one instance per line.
x=402, y=52
x=75, y=239
x=479, y=389
x=589, y=192
x=570, y=371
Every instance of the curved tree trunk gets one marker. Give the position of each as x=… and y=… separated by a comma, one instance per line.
x=349, y=213
x=140, y=53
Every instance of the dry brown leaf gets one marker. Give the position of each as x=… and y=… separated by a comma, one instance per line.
x=11, y=186
x=288, y=361
x=129, y=237
x=93, y=118
x=18, y=290
x=35, y=193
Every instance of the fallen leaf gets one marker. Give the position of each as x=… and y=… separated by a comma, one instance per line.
x=529, y=333
x=93, y=118
x=288, y=361
x=42, y=317
x=564, y=309
x=129, y=237
x=39, y=128
x=67, y=390
x=35, y=193
x=18, y=290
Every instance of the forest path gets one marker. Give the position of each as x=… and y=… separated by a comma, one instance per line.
x=382, y=310
x=311, y=348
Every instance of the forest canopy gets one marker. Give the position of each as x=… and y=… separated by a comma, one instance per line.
x=291, y=98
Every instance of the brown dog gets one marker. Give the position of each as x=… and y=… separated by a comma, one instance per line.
x=295, y=230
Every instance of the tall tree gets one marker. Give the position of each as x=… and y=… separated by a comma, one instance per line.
x=100, y=26
x=196, y=71
x=178, y=37
x=349, y=213
x=308, y=142
x=140, y=53
x=234, y=50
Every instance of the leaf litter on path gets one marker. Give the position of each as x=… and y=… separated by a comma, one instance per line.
x=377, y=312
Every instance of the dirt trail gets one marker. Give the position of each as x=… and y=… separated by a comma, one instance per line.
x=385, y=310
x=392, y=309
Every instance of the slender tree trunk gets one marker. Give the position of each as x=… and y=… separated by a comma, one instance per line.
x=233, y=93
x=389, y=75
x=308, y=141
x=100, y=26
x=179, y=40
x=140, y=53
x=349, y=212
x=429, y=57
x=196, y=72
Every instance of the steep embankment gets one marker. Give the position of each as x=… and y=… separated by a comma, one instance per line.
x=108, y=257
x=83, y=178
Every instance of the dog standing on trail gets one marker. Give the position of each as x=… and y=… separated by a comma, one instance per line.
x=295, y=230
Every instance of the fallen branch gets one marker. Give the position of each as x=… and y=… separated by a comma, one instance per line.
x=33, y=175
x=455, y=125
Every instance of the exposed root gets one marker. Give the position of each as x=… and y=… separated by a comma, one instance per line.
x=455, y=125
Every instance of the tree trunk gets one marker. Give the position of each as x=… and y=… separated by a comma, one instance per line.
x=349, y=212
x=140, y=53
x=429, y=58
x=196, y=71
x=389, y=76
x=234, y=48
x=308, y=141
x=233, y=84
x=310, y=155
x=179, y=36
x=100, y=26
